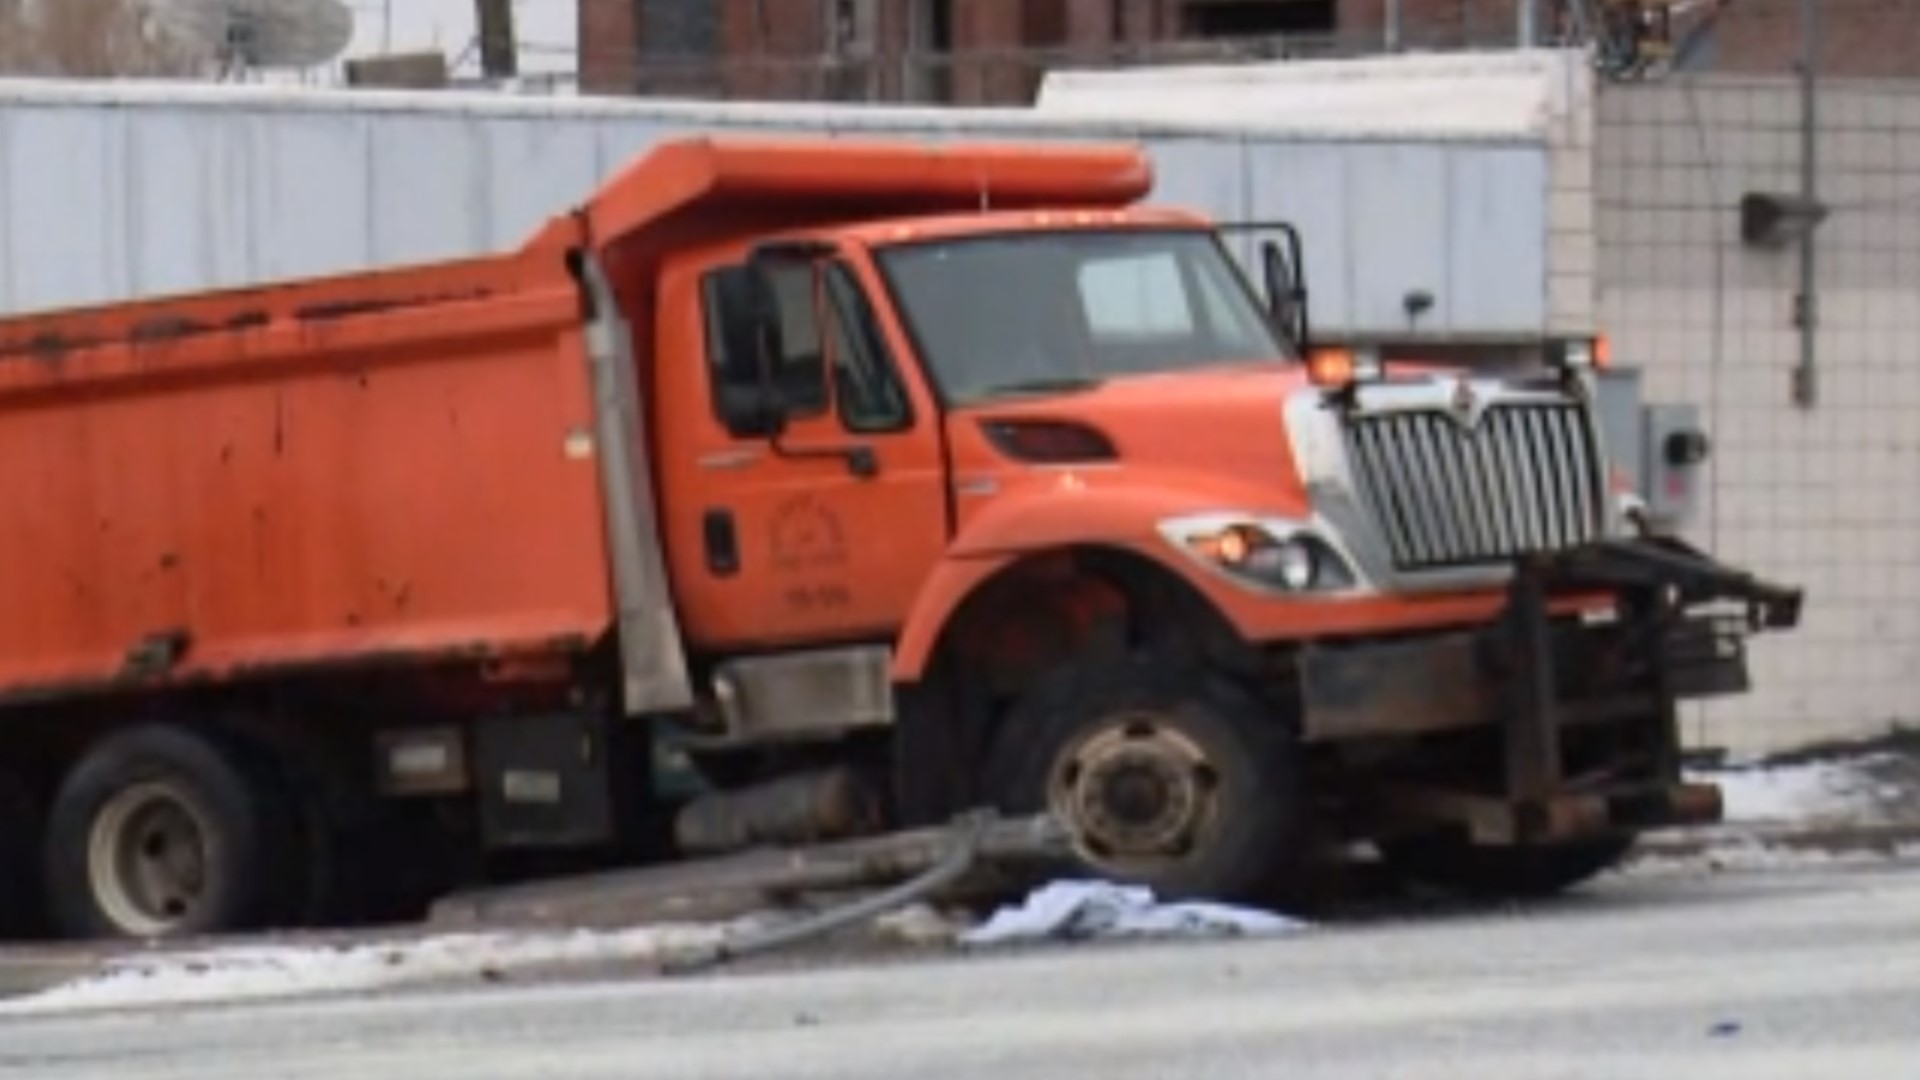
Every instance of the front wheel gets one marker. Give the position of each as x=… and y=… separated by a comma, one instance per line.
x=1166, y=776
x=1451, y=862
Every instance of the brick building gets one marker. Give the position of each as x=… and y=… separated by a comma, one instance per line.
x=977, y=51
x=926, y=50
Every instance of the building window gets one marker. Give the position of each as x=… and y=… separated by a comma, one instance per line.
x=679, y=28
x=1257, y=18
x=679, y=46
x=930, y=50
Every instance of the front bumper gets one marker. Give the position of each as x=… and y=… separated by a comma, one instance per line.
x=1677, y=630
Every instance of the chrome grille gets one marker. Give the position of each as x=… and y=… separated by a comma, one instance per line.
x=1524, y=478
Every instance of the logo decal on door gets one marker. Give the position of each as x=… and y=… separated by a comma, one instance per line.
x=807, y=535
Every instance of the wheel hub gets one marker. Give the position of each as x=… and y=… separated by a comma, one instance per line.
x=147, y=859
x=1136, y=789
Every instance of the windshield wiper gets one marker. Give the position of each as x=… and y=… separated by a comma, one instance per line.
x=1065, y=384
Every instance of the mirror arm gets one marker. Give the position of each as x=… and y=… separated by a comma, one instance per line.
x=1286, y=303
x=1256, y=226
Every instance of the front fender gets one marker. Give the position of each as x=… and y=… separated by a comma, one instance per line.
x=1063, y=514
x=951, y=582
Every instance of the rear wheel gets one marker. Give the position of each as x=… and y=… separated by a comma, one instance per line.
x=1167, y=776
x=163, y=832
x=1452, y=862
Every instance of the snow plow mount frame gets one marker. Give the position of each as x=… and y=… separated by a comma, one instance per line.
x=1657, y=583
x=1537, y=677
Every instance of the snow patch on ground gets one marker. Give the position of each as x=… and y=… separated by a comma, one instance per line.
x=1807, y=793
x=1751, y=854
x=1873, y=797
x=923, y=924
x=253, y=972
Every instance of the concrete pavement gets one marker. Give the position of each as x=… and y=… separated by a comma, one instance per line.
x=1789, y=973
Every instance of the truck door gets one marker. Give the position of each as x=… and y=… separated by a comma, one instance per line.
x=821, y=533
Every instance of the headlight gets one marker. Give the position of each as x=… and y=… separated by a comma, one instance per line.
x=1280, y=555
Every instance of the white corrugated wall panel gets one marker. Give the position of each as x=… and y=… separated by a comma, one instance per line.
x=1496, y=260
x=427, y=181
x=106, y=199
x=533, y=167
x=66, y=181
x=1397, y=207
x=309, y=192
x=1307, y=184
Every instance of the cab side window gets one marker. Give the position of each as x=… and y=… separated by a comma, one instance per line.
x=799, y=373
x=866, y=384
x=827, y=329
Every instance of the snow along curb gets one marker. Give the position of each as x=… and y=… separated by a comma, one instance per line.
x=237, y=973
x=1878, y=838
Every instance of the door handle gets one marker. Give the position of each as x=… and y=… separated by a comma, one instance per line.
x=721, y=541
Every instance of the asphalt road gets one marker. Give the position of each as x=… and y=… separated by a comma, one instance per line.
x=1756, y=976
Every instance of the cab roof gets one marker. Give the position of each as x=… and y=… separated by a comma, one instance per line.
x=915, y=229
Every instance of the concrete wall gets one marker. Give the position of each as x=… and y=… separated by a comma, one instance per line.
x=1825, y=496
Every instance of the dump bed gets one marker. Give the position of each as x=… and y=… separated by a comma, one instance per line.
x=316, y=472
x=407, y=464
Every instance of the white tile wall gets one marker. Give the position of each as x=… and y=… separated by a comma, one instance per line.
x=1572, y=248
x=1830, y=496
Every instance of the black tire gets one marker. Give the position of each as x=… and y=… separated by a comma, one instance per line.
x=161, y=832
x=1169, y=738
x=1449, y=861
x=22, y=912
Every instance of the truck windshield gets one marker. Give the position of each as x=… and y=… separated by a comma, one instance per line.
x=1039, y=312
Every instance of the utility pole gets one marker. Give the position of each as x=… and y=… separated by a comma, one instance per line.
x=1806, y=383
x=498, y=42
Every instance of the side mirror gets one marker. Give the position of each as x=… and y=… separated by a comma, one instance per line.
x=753, y=412
x=748, y=399
x=756, y=331
x=1281, y=265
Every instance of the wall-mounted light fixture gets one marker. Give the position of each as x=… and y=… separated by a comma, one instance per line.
x=1776, y=222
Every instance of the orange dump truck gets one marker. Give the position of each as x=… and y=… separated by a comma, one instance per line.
x=876, y=481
